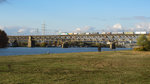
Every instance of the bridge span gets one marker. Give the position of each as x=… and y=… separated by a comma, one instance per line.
x=122, y=39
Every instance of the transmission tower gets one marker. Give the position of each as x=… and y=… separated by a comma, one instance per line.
x=37, y=31
x=43, y=29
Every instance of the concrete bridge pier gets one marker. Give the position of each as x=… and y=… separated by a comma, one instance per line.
x=112, y=45
x=64, y=45
x=30, y=43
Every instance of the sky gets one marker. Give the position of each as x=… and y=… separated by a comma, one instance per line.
x=27, y=16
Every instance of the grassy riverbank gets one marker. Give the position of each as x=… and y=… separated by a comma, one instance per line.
x=121, y=67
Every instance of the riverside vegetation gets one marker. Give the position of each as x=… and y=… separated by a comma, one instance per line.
x=110, y=67
x=143, y=43
x=3, y=39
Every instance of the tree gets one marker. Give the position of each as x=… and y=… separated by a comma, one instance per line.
x=43, y=44
x=143, y=42
x=15, y=43
x=3, y=39
x=66, y=45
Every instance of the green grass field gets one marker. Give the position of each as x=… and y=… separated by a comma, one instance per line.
x=120, y=67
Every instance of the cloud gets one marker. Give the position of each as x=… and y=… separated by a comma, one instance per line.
x=98, y=19
x=2, y=27
x=114, y=28
x=140, y=18
x=21, y=30
x=85, y=29
x=1, y=1
x=138, y=26
x=117, y=26
x=32, y=31
x=78, y=30
x=15, y=30
x=143, y=26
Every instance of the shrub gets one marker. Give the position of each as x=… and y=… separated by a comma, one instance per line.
x=44, y=44
x=140, y=49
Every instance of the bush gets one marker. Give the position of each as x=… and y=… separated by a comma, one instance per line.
x=140, y=49
x=44, y=44
x=22, y=44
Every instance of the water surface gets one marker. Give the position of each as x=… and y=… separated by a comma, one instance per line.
x=38, y=50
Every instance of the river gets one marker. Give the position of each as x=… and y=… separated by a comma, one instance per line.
x=38, y=50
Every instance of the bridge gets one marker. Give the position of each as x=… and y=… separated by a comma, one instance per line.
x=121, y=39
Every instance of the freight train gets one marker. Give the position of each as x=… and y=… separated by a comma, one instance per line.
x=95, y=33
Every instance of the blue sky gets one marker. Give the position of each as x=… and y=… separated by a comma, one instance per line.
x=24, y=16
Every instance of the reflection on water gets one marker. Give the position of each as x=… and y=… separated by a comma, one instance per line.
x=32, y=51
